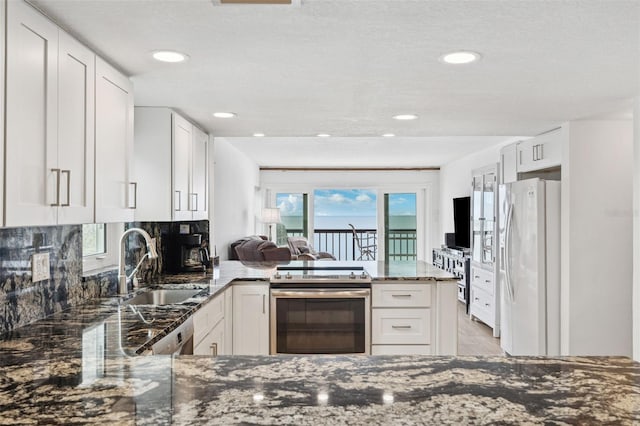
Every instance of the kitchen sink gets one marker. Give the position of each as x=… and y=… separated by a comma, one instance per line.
x=162, y=296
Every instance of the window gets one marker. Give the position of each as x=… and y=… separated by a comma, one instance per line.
x=100, y=245
x=94, y=239
x=293, y=214
x=345, y=222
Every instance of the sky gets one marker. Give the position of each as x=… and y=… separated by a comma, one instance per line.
x=346, y=202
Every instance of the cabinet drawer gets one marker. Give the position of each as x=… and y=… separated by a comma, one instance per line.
x=206, y=318
x=401, y=350
x=483, y=279
x=482, y=307
x=401, y=326
x=401, y=295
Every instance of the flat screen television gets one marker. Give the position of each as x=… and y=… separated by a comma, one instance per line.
x=462, y=221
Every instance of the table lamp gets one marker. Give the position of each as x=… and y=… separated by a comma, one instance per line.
x=270, y=215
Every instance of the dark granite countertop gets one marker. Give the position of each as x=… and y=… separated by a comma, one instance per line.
x=79, y=366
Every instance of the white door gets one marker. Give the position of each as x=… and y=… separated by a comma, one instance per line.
x=182, y=139
x=32, y=174
x=199, y=198
x=115, y=194
x=250, y=320
x=76, y=88
x=526, y=268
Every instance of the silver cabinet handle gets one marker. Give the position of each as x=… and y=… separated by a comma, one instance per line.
x=57, y=172
x=214, y=349
x=540, y=151
x=135, y=195
x=191, y=194
x=400, y=295
x=179, y=200
x=68, y=173
x=401, y=326
x=263, y=299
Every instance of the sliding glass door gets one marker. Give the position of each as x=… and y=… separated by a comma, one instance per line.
x=400, y=226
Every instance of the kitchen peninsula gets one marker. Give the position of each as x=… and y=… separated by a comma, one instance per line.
x=79, y=366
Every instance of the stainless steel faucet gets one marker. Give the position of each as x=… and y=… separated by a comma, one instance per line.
x=151, y=253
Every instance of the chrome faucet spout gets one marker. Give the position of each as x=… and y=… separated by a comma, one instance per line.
x=152, y=253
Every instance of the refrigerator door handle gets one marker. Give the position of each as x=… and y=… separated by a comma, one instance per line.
x=507, y=252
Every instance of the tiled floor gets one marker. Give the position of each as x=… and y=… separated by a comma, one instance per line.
x=475, y=337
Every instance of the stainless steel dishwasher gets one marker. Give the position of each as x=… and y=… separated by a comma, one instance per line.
x=178, y=342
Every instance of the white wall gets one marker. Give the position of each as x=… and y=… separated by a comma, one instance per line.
x=636, y=231
x=423, y=182
x=236, y=198
x=597, y=194
x=455, y=181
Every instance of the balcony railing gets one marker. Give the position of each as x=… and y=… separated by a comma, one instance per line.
x=340, y=243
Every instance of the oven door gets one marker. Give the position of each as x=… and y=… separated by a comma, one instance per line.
x=320, y=321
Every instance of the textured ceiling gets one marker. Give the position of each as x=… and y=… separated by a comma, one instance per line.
x=344, y=67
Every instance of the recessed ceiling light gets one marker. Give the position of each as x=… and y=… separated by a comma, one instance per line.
x=461, y=57
x=258, y=135
x=388, y=135
x=405, y=117
x=224, y=114
x=169, y=56
x=323, y=135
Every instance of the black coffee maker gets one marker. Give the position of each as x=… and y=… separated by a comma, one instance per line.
x=187, y=253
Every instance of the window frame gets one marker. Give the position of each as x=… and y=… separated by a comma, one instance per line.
x=108, y=259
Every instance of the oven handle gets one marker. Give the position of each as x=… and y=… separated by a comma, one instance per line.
x=319, y=293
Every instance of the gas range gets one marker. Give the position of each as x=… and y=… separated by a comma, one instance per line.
x=320, y=277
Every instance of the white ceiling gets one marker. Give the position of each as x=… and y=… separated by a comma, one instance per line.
x=344, y=67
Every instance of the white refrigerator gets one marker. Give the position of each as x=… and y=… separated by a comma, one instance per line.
x=529, y=267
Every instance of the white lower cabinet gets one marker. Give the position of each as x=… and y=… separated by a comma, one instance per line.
x=250, y=319
x=414, y=318
x=209, y=328
x=483, y=298
x=402, y=320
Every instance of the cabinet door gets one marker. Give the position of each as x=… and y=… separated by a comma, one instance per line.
x=32, y=175
x=213, y=343
x=250, y=320
x=509, y=163
x=199, y=196
x=76, y=86
x=115, y=194
x=182, y=139
x=476, y=218
x=2, y=63
x=489, y=182
x=541, y=152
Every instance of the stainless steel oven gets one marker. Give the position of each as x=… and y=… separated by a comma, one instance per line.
x=319, y=311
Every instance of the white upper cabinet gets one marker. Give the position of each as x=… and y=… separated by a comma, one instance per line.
x=2, y=62
x=76, y=143
x=116, y=194
x=182, y=141
x=199, y=196
x=165, y=141
x=509, y=163
x=50, y=117
x=32, y=176
x=541, y=152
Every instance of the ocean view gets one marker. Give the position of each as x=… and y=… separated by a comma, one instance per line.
x=342, y=222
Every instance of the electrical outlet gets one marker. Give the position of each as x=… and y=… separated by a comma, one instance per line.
x=40, y=269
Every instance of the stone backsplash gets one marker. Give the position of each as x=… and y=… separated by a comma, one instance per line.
x=22, y=301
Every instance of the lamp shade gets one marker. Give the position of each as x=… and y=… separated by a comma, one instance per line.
x=270, y=215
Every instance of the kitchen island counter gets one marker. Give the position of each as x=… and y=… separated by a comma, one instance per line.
x=320, y=390
x=79, y=366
